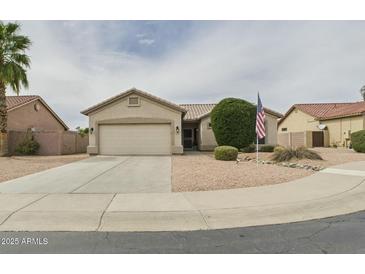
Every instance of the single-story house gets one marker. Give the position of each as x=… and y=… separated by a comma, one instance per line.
x=321, y=125
x=138, y=123
x=32, y=113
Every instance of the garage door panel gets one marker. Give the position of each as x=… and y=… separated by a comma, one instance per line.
x=135, y=139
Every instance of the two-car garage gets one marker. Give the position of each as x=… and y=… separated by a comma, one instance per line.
x=135, y=123
x=135, y=139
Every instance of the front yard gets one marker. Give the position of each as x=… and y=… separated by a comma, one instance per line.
x=200, y=171
x=18, y=166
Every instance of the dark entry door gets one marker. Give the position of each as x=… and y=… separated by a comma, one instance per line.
x=317, y=139
x=188, y=138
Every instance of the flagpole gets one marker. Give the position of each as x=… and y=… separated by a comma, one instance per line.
x=257, y=135
x=257, y=150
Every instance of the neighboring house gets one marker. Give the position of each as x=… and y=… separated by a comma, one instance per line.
x=321, y=125
x=32, y=113
x=138, y=123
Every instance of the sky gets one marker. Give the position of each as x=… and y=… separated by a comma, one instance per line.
x=76, y=64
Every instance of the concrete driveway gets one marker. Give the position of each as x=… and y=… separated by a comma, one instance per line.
x=100, y=174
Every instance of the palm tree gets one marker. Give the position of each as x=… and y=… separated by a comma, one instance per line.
x=13, y=67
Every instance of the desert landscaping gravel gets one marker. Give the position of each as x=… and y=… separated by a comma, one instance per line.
x=18, y=166
x=200, y=171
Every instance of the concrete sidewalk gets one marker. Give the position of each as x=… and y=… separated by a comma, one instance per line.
x=334, y=191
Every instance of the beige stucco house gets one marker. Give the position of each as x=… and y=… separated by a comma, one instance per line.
x=138, y=123
x=321, y=125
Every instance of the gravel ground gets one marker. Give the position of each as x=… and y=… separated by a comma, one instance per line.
x=331, y=157
x=18, y=166
x=335, y=156
x=200, y=171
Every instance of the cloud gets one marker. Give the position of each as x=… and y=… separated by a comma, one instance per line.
x=77, y=64
x=146, y=41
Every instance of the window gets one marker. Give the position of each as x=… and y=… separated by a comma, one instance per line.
x=284, y=129
x=133, y=101
x=209, y=125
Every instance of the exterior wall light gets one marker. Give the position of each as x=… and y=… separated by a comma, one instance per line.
x=91, y=130
x=177, y=129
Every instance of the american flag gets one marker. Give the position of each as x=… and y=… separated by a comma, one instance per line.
x=260, y=119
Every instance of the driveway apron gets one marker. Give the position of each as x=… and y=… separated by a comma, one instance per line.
x=100, y=174
x=143, y=174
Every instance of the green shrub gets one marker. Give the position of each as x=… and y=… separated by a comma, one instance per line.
x=233, y=122
x=267, y=148
x=29, y=146
x=286, y=154
x=277, y=149
x=226, y=153
x=249, y=149
x=358, y=141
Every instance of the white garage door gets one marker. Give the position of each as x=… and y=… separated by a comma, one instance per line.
x=136, y=139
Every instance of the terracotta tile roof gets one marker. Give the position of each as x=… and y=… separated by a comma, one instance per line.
x=198, y=111
x=326, y=111
x=15, y=101
x=332, y=110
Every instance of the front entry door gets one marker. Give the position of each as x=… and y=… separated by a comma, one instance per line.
x=317, y=139
x=188, y=138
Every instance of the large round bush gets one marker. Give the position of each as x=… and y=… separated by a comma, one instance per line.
x=226, y=153
x=233, y=122
x=358, y=141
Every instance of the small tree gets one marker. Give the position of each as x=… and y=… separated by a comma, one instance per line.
x=233, y=122
x=13, y=68
x=83, y=131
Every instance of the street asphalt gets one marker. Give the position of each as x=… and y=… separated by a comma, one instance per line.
x=341, y=234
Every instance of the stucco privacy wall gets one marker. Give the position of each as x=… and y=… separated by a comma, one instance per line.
x=298, y=139
x=51, y=142
x=298, y=121
x=295, y=139
x=27, y=117
x=120, y=112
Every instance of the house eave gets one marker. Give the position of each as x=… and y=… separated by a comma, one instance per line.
x=127, y=93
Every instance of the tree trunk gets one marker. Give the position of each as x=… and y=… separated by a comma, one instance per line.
x=3, y=111
x=3, y=121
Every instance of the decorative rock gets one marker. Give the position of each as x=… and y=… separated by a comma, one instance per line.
x=284, y=164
